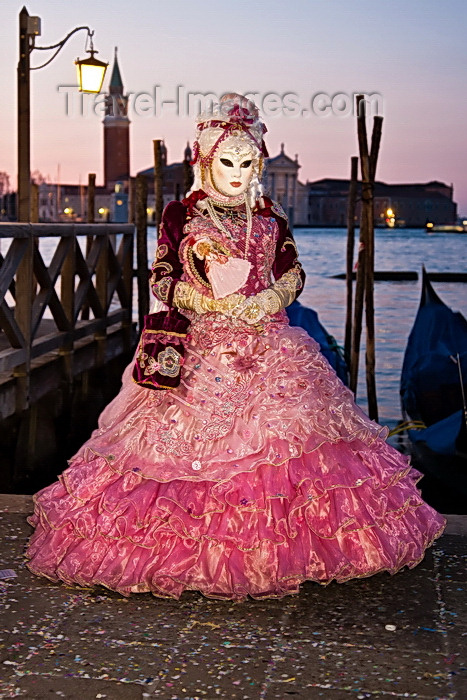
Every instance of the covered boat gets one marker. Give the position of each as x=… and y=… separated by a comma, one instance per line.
x=307, y=319
x=433, y=388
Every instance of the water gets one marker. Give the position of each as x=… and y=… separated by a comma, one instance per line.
x=323, y=252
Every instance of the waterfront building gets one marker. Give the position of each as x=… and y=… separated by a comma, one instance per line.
x=411, y=205
x=281, y=183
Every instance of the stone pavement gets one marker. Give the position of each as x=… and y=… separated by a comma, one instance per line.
x=381, y=638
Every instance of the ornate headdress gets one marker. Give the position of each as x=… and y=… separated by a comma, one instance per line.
x=234, y=121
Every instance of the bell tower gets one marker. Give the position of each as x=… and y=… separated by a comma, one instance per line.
x=116, y=132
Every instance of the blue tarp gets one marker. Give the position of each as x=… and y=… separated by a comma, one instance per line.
x=307, y=319
x=441, y=437
x=430, y=380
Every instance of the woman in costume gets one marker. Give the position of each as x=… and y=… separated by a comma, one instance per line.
x=257, y=472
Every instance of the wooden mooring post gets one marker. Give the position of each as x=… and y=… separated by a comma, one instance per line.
x=90, y=216
x=364, y=292
x=158, y=182
x=351, y=206
x=142, y=247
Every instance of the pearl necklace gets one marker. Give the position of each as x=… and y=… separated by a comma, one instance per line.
x=214, y=216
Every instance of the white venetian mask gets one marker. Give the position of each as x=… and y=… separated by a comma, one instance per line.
x=232, y=170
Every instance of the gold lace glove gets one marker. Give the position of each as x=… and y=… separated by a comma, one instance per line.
x=186, y=297
x=271, y=300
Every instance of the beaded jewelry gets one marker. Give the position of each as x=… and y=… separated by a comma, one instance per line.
x=214, y=216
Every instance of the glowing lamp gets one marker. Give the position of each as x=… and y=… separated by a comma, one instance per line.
x=91, y=73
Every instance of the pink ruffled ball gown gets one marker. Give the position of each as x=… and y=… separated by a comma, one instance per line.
x=257, y=473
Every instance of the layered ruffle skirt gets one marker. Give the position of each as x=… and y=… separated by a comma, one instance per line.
x=257, y=473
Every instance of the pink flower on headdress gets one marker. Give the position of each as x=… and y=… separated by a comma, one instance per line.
x=240, y=115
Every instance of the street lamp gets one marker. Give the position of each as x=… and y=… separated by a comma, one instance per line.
x=90, y=71
x=29, y=28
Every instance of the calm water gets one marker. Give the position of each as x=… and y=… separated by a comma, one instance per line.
x=322, y=253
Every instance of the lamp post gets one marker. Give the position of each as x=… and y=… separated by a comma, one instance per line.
x=29, y=28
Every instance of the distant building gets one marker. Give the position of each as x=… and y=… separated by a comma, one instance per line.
x=177, y=179
x=280, y=180
x=69, y=203
x=412, y=205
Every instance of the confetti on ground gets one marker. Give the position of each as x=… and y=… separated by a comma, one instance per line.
x=332, y=641
x=8, y=573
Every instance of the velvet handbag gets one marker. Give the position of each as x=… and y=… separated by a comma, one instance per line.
x=161, y=350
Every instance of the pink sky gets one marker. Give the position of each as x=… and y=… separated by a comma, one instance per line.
x=413, y=54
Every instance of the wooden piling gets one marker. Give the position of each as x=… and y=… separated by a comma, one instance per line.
x=158, y=182
x=131, y=200
x=365, y=272
x=21, y=323
x=91, y=198
x=142, y=247
x=351, y=206
x=370, y=355
x=102, y=276
x=67, y=293
x=34, y=203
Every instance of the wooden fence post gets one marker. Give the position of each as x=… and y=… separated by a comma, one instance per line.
x=23, y=317
x=127, y=274
x=142, y=248
x=158, y=182
x=67, y=293
x=131, y=200
x=102, y=276
x=91, y=212
x=34, y=202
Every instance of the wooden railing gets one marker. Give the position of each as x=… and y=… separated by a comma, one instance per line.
x=52, y=311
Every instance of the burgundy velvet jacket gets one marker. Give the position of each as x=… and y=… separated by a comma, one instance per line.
x=167, y=267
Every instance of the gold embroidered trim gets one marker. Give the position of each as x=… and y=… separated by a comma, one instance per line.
x=164, y=265
x=161, y=386
x=179, y=335
x=290, y=241
x=277, y=209
x=161, y=251
x=161, y=289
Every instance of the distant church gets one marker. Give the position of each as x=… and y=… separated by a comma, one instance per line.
x=116, y=133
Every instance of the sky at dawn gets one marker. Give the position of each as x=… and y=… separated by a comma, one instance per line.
x=303, y=59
